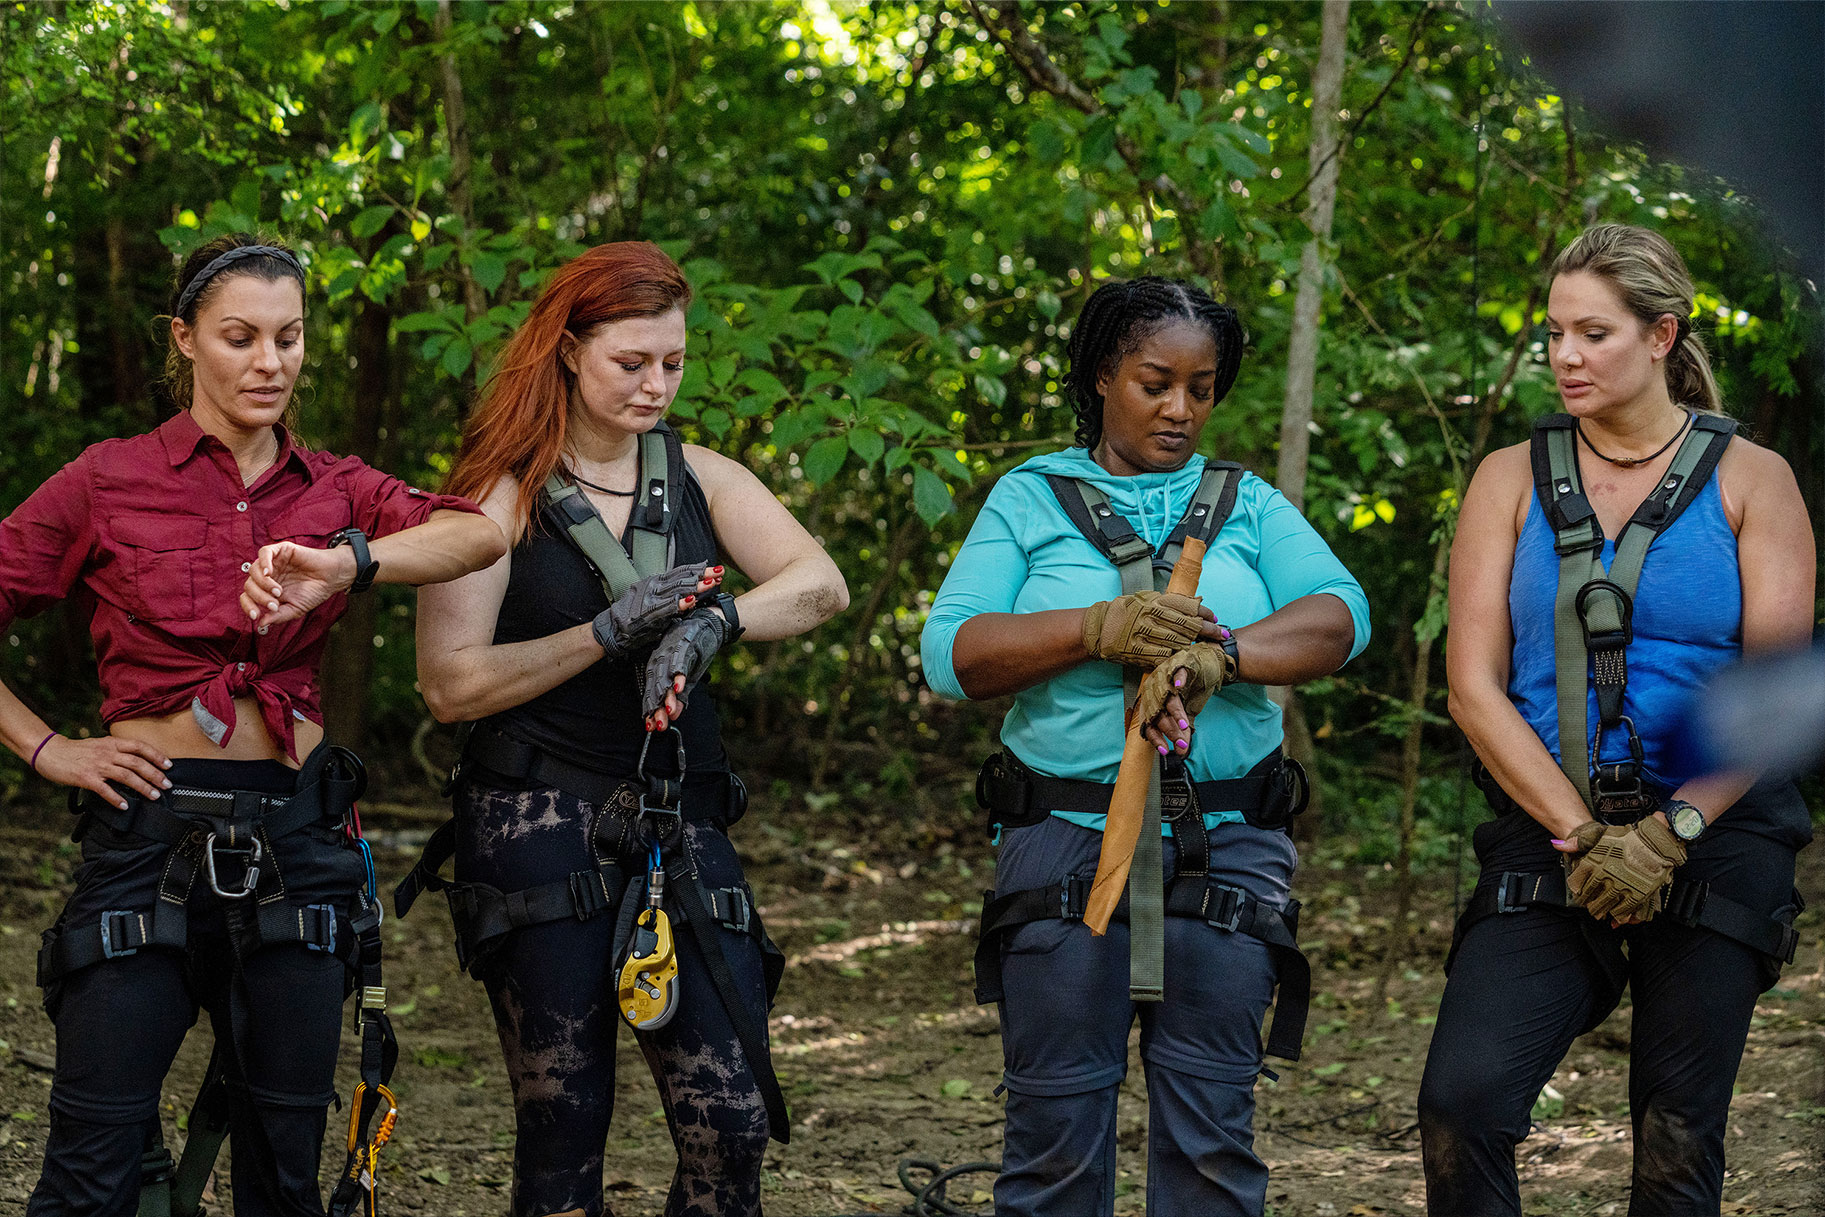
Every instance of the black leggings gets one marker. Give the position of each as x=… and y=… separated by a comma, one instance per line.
x=1525, y=985
x=121, y=1021
x=553, y=990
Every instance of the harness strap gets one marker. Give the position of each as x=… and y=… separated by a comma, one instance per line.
x=1218, y=905
x=1144, y=569
x=1593, y=608
x=1018, y=797
x=1690, y=902
x=649, y=523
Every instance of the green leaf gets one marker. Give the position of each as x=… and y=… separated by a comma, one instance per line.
x=457, y=357
x=763, y=382
x=1331, y=1070
x=716, y=421
x=850, y=288
x=867, y=444
x=825, y=460
x=931, y=497
x=489, y=269
x=991, y=388
x=413, y=323
x=956, y=1088
x=370, y=220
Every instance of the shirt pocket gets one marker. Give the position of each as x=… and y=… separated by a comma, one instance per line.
x=312, y=523
x=161, y=559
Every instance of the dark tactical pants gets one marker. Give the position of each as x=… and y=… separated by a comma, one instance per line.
x=1065, y=1023
x=1524, y=985
x=553, y=989
x=120, y=1023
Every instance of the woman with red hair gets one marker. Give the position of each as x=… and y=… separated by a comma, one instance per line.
x=580, y=834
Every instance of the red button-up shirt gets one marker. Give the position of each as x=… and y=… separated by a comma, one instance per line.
x=154, y=535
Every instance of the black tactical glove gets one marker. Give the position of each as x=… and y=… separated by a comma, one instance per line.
x=645, y=609
x=685, y=650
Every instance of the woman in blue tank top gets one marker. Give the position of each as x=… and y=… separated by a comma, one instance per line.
x=1633, y=847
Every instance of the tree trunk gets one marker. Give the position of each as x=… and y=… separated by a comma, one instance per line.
x=348, y=663
x=1302, y=345
x=456, y=134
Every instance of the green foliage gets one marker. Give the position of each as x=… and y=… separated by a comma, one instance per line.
x=890, y=215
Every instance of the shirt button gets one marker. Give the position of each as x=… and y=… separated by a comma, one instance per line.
x=240, y=667
x=240, y=506
x=245, y=567
x=264, y=628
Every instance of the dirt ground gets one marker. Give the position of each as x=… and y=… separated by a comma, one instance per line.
x=884, y=1055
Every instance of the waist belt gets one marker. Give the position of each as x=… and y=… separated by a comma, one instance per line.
x=1690, y=902
x=494, y=753
x=1218, y=905
x=1616, y=800
x=1269, y=795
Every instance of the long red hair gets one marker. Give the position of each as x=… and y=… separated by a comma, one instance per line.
x=518, y=424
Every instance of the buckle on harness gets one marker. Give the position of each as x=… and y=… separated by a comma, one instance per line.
x=1686, y=901
x=1606, y=640
x=1616, y=786
x=1178, y=797
x=588, y=893
x=1072, y=896
x=250, y=878
x=116, y=925
x=1227, y=916
x=1508, y=898
x=740, y=912
x=325, y=938
x=661, y=796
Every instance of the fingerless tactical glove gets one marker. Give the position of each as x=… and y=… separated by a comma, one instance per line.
x=1207, y=669
x=1141, y=628
x=1626, y=874
x=645, y=609
x=684, y=650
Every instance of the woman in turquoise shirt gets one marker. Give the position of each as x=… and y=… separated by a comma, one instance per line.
x=1032, y=607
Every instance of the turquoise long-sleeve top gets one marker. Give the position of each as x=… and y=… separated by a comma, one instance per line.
x=1023, y=555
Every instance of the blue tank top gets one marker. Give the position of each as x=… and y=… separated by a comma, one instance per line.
x=1688, y=624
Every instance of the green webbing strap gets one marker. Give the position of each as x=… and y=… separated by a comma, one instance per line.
x=1133, y=559
x=204, y=1134
x=648, y=521
x=1608, y=596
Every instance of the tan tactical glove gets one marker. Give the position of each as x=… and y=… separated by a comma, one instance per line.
x=1141, y=628
x=1626, y=873
x=1207, y=669
x=1585, y=837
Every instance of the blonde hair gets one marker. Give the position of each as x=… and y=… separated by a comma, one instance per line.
x=1649, y=275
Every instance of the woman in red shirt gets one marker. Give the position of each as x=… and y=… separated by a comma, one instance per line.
x=211, y=555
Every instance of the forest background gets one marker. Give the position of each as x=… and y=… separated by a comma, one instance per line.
x=890, y=213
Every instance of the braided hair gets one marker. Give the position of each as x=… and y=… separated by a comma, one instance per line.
x=1121, y=315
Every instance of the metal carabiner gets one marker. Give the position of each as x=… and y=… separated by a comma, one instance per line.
x=250, y=878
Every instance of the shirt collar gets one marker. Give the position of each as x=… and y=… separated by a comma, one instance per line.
x=182, y=437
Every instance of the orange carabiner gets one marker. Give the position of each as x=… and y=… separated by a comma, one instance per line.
x=384, y=1132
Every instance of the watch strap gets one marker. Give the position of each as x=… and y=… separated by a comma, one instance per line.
x=1678, y=809
x=725, y=604
x=366, y=566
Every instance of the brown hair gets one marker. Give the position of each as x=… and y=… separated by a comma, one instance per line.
x=1652, y=280
x=180, y=380
x=518, y=425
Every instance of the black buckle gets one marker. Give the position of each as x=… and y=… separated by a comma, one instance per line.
x=326, y=927
x=1228, y=913
x=740, y=911
x=250, y=878
x=660, y=797
x=1508, y=893
x=116, y=927
x=1178, y=796
x=1071, y=899
x=588, y=893
x=1686, y=901
x=1607, y=640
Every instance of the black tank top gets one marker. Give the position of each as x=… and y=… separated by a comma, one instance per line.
x=594, y=719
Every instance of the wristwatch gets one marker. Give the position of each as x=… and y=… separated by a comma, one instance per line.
x=1686, y=821
x=366, y=566
x=725, y=603
x=1228, y=642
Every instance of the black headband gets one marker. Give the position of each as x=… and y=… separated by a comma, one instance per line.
x=191, y=290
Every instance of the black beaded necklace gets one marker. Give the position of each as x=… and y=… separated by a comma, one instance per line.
x=1631, y=462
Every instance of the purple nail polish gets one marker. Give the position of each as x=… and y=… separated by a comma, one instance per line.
x=1162, y=749
x=1182, y=745
x=1556, y=841
x=1183, y=724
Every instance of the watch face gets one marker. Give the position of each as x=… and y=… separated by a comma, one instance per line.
x=1688, y=822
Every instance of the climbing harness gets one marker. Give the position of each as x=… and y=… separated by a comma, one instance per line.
x=211, y=833
x=1593, y=625
x=649, y=978
x=1142, y=568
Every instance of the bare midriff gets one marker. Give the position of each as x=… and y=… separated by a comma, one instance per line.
x=177, y=735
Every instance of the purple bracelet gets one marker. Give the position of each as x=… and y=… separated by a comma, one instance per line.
x=40, y=748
